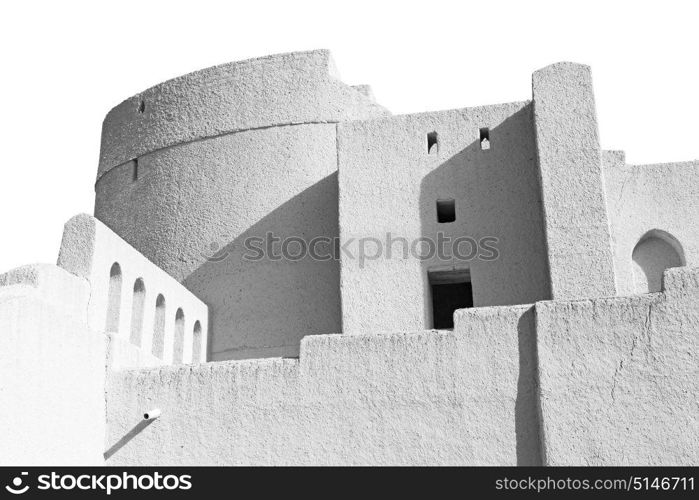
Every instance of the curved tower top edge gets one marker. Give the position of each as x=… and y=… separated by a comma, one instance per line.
x=283, y=89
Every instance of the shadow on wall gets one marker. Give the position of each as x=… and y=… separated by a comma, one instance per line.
x=492, y=190
x=135, y=430
x=263, y=308
x=527, y=415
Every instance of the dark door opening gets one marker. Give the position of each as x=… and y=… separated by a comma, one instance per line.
x=451, y=290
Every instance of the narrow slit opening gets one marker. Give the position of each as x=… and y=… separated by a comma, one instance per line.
x=137, y=307
x=178, y=348
x=114, y=299
x=485, y=138
x=432, y=143
x=196, y=343
x=158, y=346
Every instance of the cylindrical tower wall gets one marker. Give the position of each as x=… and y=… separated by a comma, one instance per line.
x=190, y=194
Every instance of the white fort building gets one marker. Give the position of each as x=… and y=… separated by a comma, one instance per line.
x=264, y=269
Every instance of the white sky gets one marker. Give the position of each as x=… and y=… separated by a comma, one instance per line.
x=64, y=64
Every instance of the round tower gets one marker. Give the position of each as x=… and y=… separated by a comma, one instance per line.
x=201, y=172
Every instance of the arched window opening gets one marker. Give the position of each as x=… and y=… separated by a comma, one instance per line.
x=196, y=343
x=655, y=251
x=158, y=346
x=113, y=298
x=137, y=307
x=178, y=349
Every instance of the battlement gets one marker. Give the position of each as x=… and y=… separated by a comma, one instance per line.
x=551, y=383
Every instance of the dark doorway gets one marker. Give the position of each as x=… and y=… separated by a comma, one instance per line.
x=451, y=290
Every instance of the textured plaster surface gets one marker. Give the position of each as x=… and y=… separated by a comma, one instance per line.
x=619, y=377
x=89, y=249
x=389, y=185
x=433, y=397
x=643, y=198
x=570, y=165
x=52, y=371
x=300, y=87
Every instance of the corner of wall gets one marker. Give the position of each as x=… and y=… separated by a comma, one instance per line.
x=77, y=245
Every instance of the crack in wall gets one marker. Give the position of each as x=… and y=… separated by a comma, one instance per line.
x=646, y=334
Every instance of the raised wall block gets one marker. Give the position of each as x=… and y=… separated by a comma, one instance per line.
x=577, y=230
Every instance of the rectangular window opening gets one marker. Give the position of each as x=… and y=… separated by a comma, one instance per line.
x=446, y=211
x=451, y=290
x=485, y=138
x=432, y=143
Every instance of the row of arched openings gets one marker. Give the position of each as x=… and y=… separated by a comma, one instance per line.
x=138, y=304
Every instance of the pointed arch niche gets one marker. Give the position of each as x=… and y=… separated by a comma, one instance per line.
x=655, y=251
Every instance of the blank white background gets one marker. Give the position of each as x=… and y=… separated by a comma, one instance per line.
x=65, y=64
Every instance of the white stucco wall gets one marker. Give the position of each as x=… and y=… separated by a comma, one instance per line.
x=433, y=397
x=389, y=183
x=52, y=371
x=618, y=377
x=609, y=381
x=616, y=381
x=248, y=148
x=645, y=198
